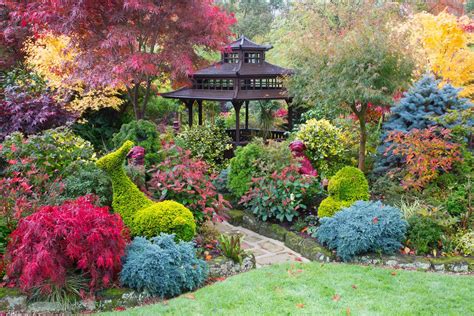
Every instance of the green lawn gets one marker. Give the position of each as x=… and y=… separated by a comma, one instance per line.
x=325, y=289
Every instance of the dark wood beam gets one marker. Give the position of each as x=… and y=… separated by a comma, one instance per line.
x=189, y=105
x=237, y=105
x=247, y=114
x=199, y=102
x=290, y=114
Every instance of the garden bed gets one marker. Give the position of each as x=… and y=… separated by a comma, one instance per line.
x=12, y=300
x=311, y=249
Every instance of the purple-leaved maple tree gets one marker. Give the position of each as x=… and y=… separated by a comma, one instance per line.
x=131, y=43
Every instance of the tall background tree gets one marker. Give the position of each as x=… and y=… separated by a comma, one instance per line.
x=346, y=57
x=254, y=17
x=130, y=44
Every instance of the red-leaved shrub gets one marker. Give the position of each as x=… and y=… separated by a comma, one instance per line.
x=23, y=189
x=425, y=152
x=76, y=237
x=189, y=182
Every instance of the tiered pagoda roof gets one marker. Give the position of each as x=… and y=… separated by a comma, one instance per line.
x=242, y=74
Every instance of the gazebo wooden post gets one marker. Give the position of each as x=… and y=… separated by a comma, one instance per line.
x=237, y=105
x=247, y=114
x=290, y=114
x=189, y=105
x=199, y=102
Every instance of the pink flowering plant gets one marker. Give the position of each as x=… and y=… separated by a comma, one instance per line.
x=188, y=181
x=280, y=195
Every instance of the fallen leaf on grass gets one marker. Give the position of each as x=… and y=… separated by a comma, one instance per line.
x=354, y=286
x=393, y=273
x=336, y=297
x=348, y=311
x=190, y=296
x=300, y=305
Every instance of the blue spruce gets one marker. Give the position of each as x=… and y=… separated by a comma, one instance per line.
x=424, y=105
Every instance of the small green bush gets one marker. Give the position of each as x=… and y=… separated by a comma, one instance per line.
x=164, y=217
x=142, y=133
x=83, y=178
x=324, y=143
x=424, y=234
x=329, y=206
x=465, y=243
x=364, y=227
x=243, y=167
x=163, y=267
x=345, y=187
x=207, y=142
x=349, y=184
x=255, y=160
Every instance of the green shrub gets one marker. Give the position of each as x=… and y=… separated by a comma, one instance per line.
x=83, y=178
x=98, y=127
x=255, y=160
x=324, y=143
x=52, y=150
x=162, y=267
x=465, y=243
x=349, y=184
x=345, y=187
x=207, y=142
x=364, y=227
x=164, y=217
x=243, y=167
x=329, y=206
x=141, y=133
x=424, y=234
x=457, y=202
x=279, y=195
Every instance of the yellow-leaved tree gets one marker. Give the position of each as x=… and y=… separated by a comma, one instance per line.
x=52, y=57
x=443, y=46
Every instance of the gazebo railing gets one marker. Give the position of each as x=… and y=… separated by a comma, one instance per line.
x=247, y=134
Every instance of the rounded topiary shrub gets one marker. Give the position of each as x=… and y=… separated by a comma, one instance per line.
x=362, y=228
x=142, y=133
x=329, y=206
x=345, y=187
x=349, y=184
x=164, y=217
x=162, y=267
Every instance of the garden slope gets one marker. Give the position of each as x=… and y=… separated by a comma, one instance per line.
x=325, y=289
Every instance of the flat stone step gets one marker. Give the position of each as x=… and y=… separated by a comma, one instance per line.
x=267, y=251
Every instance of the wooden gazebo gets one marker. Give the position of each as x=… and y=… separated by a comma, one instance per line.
x=242, y=75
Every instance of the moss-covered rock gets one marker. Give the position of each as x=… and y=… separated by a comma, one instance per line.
x=236, y=217
x=273, y=231
x=294, y=241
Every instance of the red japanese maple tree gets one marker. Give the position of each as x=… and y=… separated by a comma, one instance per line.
x=130, y=43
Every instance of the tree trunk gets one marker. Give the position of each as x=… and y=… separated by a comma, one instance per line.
x=362, y=142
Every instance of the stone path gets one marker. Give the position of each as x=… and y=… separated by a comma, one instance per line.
x=267, y=251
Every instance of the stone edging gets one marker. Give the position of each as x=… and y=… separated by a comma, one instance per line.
x=311, y=249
